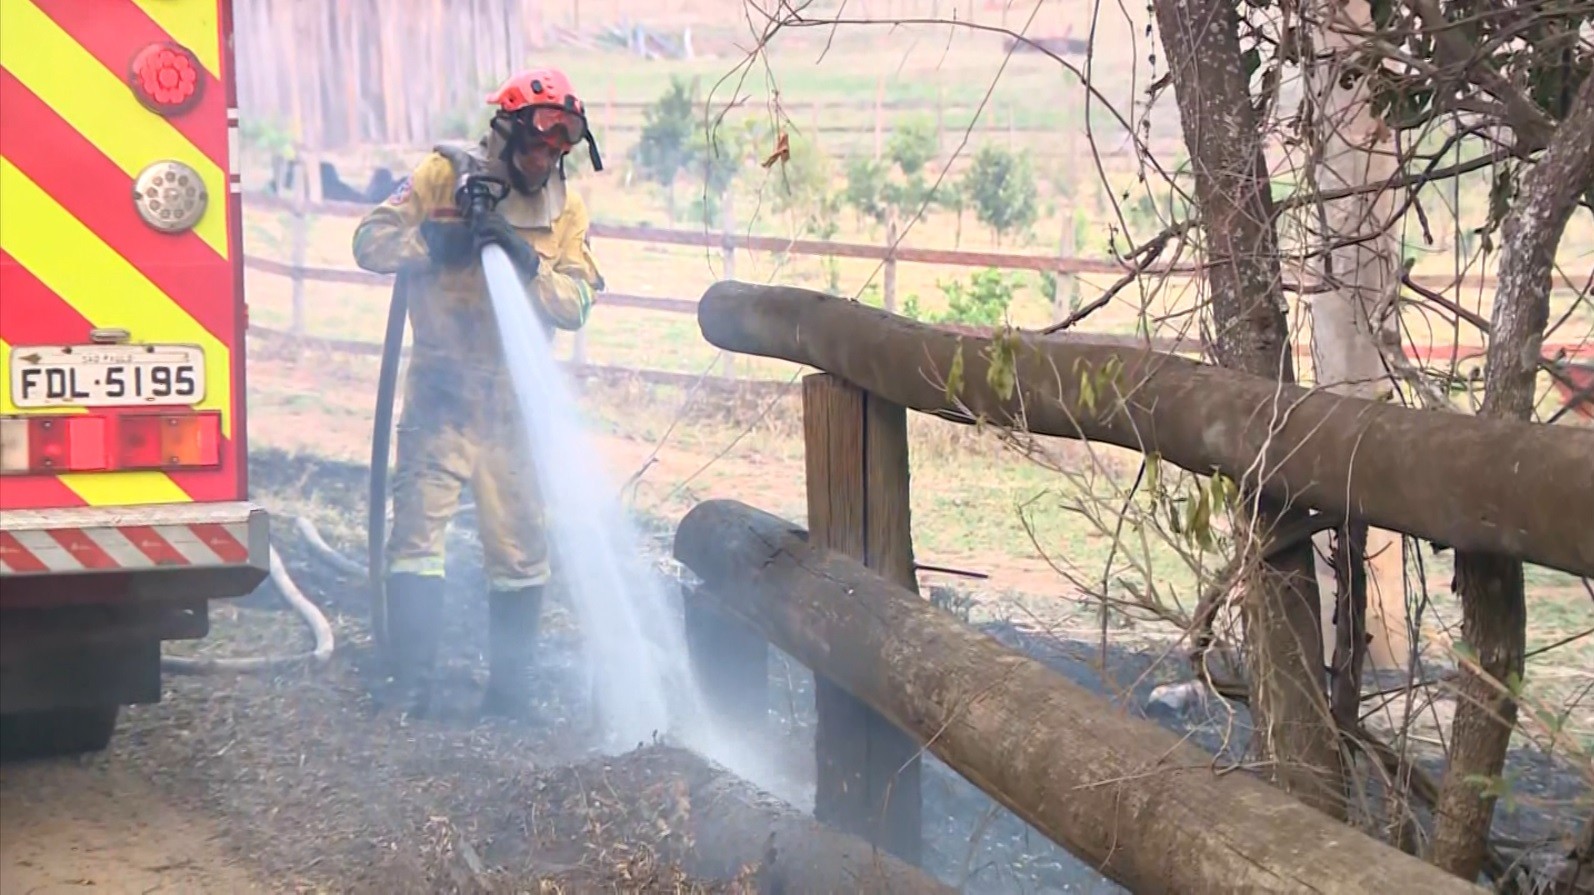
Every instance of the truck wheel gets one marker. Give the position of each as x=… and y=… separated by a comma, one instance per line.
x=56, y=732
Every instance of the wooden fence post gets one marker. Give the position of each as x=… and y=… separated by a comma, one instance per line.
x=578, y=347
x=857, y=472
x=889, y=275
x=299, y=239
x=728, y=254
x=1066, y=285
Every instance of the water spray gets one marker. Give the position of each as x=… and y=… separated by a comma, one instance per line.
x=635, y=650
x=634, y=641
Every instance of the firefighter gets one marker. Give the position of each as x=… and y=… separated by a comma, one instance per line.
x=461, y=424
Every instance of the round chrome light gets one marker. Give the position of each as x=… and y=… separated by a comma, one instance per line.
x=170, y=196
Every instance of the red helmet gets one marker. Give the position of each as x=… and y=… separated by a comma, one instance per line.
x=540, y=104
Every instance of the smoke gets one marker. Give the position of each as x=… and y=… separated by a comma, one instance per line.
x=634, y=643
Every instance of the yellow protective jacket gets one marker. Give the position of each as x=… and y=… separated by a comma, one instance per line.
x=460, y=423
x=450, y=313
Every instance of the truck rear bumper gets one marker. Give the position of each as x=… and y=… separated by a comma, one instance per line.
x=164, y=552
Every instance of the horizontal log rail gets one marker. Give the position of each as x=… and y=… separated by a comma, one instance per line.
x=1500, y=486
x=1124, y=795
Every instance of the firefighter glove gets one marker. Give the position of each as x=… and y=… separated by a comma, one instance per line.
x=491, y=228
x=448, y=242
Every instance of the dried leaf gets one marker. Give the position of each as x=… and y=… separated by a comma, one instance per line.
x=782, y=151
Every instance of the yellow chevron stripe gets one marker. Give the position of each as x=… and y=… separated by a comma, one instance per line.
x=100, y=489
x=114, y=489
x=103, y=286
x=192, y=23
x=100, y=107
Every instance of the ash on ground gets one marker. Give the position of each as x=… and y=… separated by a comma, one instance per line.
x=323, y=791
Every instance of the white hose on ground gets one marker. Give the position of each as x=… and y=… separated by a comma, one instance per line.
x=307, y=610
x=324, y=551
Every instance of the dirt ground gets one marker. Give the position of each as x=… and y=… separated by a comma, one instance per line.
x=294, y=782
x=69, y=827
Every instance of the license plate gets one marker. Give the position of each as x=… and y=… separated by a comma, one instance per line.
x=106, y=375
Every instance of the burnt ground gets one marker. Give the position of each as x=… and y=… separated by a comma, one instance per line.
x=305, y=784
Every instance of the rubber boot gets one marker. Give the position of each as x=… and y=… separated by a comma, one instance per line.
x=513, y=619
x=414, y=622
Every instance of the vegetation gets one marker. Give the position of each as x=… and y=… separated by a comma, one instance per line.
x=1001, y=186
x=1140, y=543
x=676, y=142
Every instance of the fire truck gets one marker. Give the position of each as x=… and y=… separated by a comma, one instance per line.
x=123, y=487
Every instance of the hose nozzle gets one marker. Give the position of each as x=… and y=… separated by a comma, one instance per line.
x=477, y=194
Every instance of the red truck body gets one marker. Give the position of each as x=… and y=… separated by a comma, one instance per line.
x=123, y=454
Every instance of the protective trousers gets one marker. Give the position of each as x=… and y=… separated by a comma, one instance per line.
x=462, y=427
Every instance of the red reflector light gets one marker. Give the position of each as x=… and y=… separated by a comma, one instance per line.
x=68, y=444
x=169, y=441
x=52, y=445
x=165, y=77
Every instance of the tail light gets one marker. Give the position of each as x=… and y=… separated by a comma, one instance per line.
x=169, y=441
x=166, y=78
x=42, y=445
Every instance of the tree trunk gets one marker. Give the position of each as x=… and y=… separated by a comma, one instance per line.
x=1124, y=795
x=1494, y=610
x=1499, y=485
x=1282, y=605
x=1281, y=608
x=1355, y=323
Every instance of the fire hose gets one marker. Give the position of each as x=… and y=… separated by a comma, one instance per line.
x=301, y=604
x=381, y=435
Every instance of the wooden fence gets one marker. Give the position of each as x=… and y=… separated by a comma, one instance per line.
x=343, y=73
x=357, y=71
x=895, y=676
x=301, y=210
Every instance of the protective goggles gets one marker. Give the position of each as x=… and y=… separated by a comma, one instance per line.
x=558, y=127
